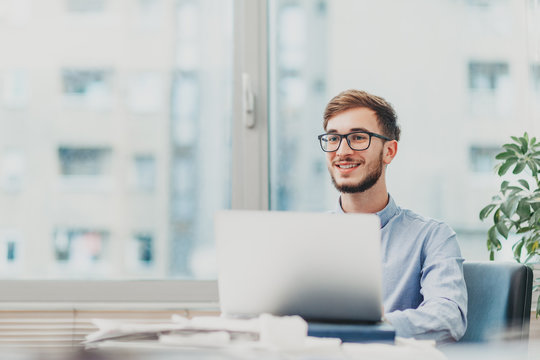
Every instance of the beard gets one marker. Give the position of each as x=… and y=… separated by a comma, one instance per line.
x=367, y=183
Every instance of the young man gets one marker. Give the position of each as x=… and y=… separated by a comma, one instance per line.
x=424, y=293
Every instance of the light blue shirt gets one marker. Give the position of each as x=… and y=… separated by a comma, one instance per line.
x=424, y=293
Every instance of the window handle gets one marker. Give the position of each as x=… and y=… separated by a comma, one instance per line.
x=248, y=102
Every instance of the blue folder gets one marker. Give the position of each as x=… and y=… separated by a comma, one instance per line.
x=359, y=333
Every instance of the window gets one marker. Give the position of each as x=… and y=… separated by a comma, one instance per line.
x=144, y=177
x=11, y=257
x=85, y=168
x=143, y=251
x=16, y=89
x=482, y=158
x=448, y=94
x=298, y=77
x=309, y=52
x=490, y=87
x=84, y=161
x=123, y=152
x=486, y=76
x=81, y=251
x=88, y=87
x=12, y=170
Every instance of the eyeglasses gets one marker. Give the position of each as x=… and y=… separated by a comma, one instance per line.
x=358, y=140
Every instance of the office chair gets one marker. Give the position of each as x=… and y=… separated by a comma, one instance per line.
x=499, y=305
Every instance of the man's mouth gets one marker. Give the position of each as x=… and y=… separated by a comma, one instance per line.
x=347, y=165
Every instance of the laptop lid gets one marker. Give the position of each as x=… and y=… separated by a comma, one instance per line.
x=320, y=266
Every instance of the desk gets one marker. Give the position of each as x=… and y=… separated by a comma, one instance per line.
x=491, y=351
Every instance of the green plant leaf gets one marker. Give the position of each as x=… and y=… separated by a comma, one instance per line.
x=535, y=218
x=538, y=307
x=524, y=145
x=505, y=155
x=523, y=209
x=536, y=153
x=532, y=165
x=504, y=185
x=524, y=230
x=502, y=229
x=484, y=213
x=513, y=147
x=509, y=207
x=519, y=167
x=524, y=183
x=513, y=190
x=497, y=215
x=492, y=242
x=505, y=166
x=517, y=249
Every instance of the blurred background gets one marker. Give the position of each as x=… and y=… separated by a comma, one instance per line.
x=116, y=120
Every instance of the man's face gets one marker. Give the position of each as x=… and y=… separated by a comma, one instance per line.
x=355, y=171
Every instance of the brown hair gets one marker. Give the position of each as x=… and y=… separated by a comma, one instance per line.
x=351, y=99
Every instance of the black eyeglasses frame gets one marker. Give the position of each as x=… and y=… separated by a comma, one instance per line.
x=346, y=136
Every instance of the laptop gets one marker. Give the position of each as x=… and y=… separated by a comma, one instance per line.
x=321, y=266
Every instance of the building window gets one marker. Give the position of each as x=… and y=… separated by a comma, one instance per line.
x=84, y=161
x=487, y=76
x=490, y=88
x=144, y=249
x=482, y=158
x=16, y=90
x=12, y=170
x=144, y=172
x=85, y=6
x=88, y=87
x=9, y=247
x=79, y=249
x=186, y=108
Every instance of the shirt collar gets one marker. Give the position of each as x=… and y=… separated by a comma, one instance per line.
x=389, y=211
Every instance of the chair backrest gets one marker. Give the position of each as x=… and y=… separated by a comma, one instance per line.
x=499, y=303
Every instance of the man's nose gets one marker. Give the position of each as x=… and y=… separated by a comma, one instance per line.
x=344, y=148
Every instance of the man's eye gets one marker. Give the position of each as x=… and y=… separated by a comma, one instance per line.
x=333, y=138
x=358, y=137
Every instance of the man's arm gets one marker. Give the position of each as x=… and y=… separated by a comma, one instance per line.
x=442, y=315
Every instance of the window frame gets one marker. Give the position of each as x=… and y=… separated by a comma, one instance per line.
x=249, y=191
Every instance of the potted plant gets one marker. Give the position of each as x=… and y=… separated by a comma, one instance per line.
x=516, y=208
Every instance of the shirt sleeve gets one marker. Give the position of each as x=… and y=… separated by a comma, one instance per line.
x=442, y=315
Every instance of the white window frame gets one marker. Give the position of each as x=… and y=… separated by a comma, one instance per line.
x=249, y=191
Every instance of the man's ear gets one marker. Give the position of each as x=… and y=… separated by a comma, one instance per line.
x=390, y=151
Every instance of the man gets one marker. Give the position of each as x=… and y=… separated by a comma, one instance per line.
x=424, y=293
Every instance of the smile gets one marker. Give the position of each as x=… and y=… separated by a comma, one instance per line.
x=347, y=166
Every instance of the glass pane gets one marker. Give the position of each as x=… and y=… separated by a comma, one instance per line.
x=115, y=143
x=462, y=75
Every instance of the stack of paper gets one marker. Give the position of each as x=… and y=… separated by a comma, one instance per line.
x=265, y=332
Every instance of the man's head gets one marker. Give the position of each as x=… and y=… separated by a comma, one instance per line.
x=350, y=99
x=372, y=122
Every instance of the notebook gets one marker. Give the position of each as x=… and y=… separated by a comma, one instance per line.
x=321, y=266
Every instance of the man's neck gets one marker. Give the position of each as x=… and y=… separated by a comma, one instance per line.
x=369, y=201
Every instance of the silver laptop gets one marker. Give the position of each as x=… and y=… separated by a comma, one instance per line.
x=321, y=266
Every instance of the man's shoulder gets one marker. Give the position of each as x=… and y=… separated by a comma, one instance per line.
x=421, y=222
